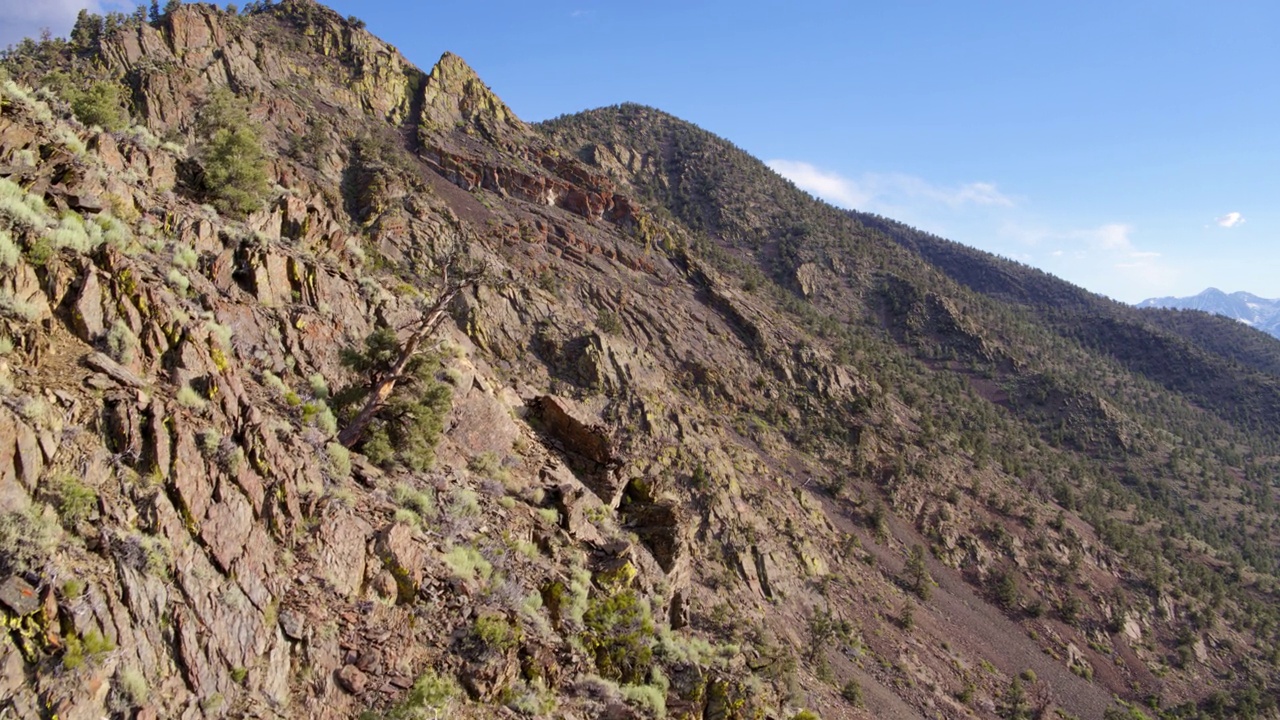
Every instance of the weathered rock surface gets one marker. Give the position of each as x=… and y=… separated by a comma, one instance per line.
x=644, y=460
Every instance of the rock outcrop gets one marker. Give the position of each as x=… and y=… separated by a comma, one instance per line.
x=643, y=473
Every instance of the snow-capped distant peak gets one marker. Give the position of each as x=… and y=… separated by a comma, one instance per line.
x=1248, y=308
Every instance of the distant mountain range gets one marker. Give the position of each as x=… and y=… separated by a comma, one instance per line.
x=1248, y=308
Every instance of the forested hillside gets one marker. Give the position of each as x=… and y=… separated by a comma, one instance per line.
x=330, y=388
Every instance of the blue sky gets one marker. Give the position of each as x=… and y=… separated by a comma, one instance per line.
x=1129, y=147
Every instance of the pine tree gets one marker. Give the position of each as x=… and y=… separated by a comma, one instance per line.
x=87, y=31
x=917, y=574
x=235, y=166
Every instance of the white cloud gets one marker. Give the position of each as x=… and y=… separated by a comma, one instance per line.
x=1103, y=258
x=829, y=186
x=1231, y=219
x=28, y=18
x=1113, y=237
x=879, y=191
x=1106, y=258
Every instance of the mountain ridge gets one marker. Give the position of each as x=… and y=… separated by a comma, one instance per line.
x=696, y=446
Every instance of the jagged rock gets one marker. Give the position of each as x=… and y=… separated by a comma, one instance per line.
x=23, y=285
x=1201, y=650
x=86, y=313
x=572, y=501
x=293, y=624
x=576, y=437
x=384, y=585
x=659, y=528
x=487, y=676
x=453, y=94
x=807, y=276
x=482, y=424
x=343, y=539
x=352, y=679
x=29, y=458
x=693, y=414
x=12, y=677
x=19, y=596
x=114, y=370
x=404, y=557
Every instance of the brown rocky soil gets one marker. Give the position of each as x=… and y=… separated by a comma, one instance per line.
x=621, y=428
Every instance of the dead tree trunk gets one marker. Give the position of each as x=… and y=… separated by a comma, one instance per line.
x=384, y=383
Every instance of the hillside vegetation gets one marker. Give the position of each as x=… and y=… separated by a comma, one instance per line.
x=329, y=388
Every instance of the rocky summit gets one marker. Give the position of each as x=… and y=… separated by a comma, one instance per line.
x=330, y=389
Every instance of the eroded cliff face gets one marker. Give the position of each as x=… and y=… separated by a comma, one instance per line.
x=201, y=546
x=612, y=500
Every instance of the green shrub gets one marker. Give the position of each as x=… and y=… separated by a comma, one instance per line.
x=122, y=344
x=75, y=500
x=133, y=685
x=11, y=306
x=489, y=464
x=27, y=539
x=317, y=413
x=145, y=553
x=647, y=697
x=608, y=322
x=102, y=104
x=339, y=459
x=467, y=563
x=9, y=253
x=72, y=233
x=495, y=633
x=464, y=503
x=235, y=166
x=210, y=441
x=1005, y=588
x=917, y=574
x=1015, y=705
x=319, y=387
x=619, y=633
x=72, y=589
x=22, y=208
x=111, y=229
x=530, y=698
x=408, y=427
x=220, y=333
x=78, y=648
x=178, y=281
x=187, y=397
x=852, y=691
x=185, y=257
x=430, y=692
x=420, y=502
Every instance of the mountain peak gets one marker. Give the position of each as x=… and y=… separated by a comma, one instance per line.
x=455, y=96
x=1246, y=307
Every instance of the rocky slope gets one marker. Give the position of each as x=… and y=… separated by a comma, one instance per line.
x=696, y=447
